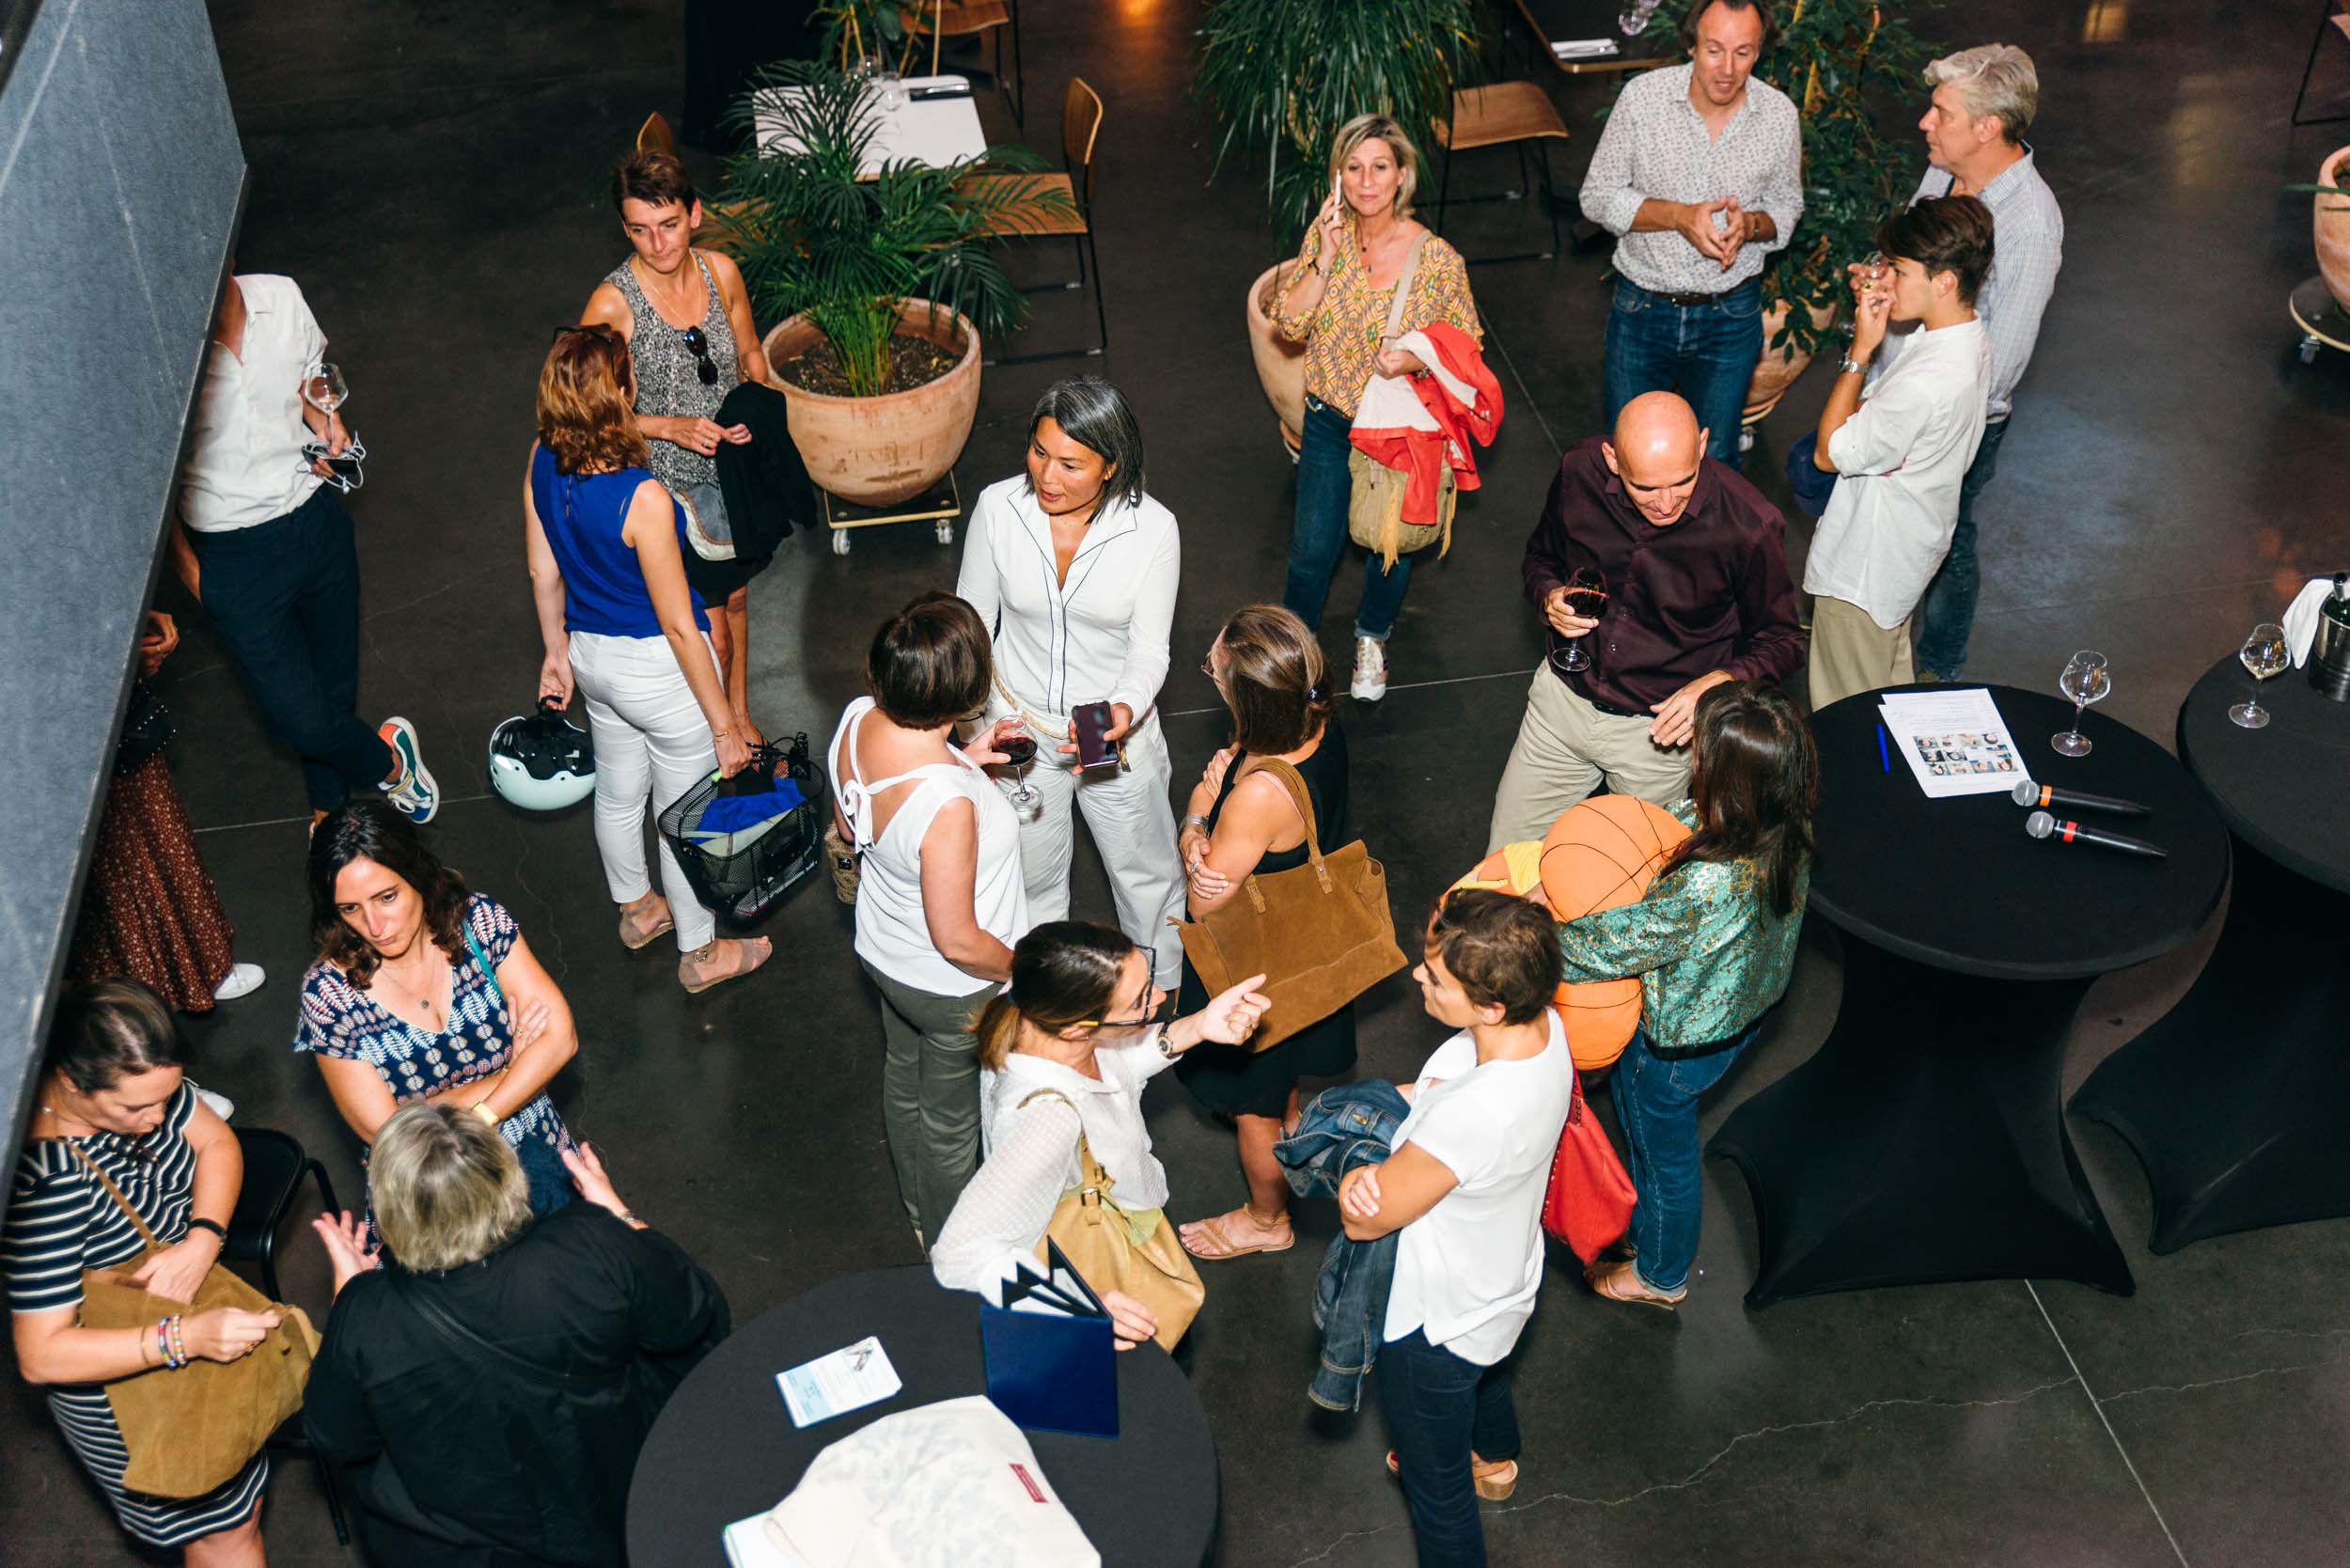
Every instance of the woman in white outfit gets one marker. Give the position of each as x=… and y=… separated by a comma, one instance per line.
x=620, y=626
x=940, y=901
x=1073, y=570
x=1068, y=1048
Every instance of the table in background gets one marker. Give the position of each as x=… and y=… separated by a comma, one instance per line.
x=936, y=132
x=724, y=1448
x=2234, y=1101
x=1925, y=1140
x=1561, y=20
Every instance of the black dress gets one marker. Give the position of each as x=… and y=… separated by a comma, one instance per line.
x=1257, y=1083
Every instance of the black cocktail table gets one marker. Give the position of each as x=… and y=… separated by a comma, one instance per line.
x=2234, y=1101
x=724, y=1449
x=1925, y=1140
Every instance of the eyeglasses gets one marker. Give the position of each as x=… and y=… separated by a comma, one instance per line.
x=699, y=346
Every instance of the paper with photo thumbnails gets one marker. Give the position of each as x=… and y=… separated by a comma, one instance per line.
x=1955, y=742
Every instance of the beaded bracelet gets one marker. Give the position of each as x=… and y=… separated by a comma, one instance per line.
x=179, y=1345
x=163, y=1341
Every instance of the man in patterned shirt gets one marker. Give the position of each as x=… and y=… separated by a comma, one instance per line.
x=1700, y=171
x=1983, y=102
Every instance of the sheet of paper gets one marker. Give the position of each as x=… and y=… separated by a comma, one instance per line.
x=849, y=1379
x=936, y=132
x=1955, y=742
x=1576, y=49
x=751, y=1545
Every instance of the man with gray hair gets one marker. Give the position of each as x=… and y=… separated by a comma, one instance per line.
x=1985, y=100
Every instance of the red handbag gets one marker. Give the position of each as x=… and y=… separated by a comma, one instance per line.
x=1588, y=1203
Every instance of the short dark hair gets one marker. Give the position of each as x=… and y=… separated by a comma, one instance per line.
x=1274, y=680
x=655, y=179
x=1095, y=415
x=1943, y=234
x=109, y=1030
x=362, y=828
x=1699, y=7
x=1503, y=948
x=929, y=664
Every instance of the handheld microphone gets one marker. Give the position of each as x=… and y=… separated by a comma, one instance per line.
x=2042, y=825
x=2029, y=794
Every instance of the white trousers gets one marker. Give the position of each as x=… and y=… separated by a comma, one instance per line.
x=1134, y=831
x=652, y=744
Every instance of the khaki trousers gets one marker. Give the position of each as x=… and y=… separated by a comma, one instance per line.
x=1565, y=747
x=1851, y=653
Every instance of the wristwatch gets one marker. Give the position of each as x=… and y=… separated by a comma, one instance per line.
x=1852, y=367
x=1166, y=1045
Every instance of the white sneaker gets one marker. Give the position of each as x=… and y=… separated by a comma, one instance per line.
x=243, y=980
x=1371, y=670
x=222, y=1105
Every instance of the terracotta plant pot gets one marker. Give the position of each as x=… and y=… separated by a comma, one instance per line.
x=878, y=451
x=1778, y=368
x=2331, y=223
x=1280, y=363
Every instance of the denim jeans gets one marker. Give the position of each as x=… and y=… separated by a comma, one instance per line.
x=1656, y=1101
x=1318, y=538
x=1440, y=1410
x=1947, y=614
x=1708, y=350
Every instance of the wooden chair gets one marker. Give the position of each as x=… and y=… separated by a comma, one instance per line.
x=654, y=135
x=1071, y=217
x=717, y=228
x=2330, y=14
x=1505, y=113
x=955, y=19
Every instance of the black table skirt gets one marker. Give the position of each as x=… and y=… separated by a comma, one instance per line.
x=724, y=1448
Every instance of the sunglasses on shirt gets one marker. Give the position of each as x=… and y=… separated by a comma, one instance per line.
x=699, y=346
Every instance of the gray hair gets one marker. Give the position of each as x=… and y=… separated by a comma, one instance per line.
x=448, y=1190
x=1095, y=415
x=1993, y=79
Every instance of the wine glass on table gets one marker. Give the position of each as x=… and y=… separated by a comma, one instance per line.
x=2266, y=655
x=1020, y=752
x=2084, y=680
x=1586, y=596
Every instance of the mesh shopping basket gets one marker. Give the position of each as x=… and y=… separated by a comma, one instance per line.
x=743, y=873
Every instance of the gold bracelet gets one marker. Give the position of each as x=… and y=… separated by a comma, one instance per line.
x=482, y=1108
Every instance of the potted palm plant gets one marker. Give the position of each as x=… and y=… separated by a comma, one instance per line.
x=881, y=287
x=1283, y=75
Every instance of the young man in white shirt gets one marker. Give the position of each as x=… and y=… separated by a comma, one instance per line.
x=1899, y=458
x=264, y=544
x=1464, y=1189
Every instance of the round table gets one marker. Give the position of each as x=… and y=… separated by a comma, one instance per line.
x=725, y=1449
x=2233, y=1101
x=1925, y=1139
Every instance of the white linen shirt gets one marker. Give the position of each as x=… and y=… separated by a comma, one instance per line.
x=244, y=461
x=1031, y=1159
x=1101, y=637
x=1900, y=460
x=1466, y=1272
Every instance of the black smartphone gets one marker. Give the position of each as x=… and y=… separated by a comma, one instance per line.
x=1092, y=722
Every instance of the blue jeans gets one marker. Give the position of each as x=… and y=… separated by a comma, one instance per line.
x=1708, y=350
x=1318, y=538
x=1948, y=613
x=1439, y=1409
x=1656, y=1101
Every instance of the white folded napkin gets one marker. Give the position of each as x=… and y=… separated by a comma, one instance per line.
x=2300, y=618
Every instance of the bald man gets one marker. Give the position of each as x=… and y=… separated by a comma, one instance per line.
x=1697, y=593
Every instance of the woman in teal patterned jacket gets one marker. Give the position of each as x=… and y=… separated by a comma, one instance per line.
x=1712, y=944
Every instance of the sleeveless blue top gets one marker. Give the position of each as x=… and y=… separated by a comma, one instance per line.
x=603, y=587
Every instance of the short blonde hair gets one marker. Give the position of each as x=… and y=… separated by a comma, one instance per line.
x=448, y=1191
x=1993, y=79
x=1379, y=128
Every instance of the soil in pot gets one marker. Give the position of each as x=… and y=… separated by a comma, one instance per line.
x=912, y=362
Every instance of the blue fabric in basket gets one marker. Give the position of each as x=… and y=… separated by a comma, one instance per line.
x=733, y=813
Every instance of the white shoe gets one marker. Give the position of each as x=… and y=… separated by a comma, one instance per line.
x=222, y=1105
x=243, y=980
x=1371, y=670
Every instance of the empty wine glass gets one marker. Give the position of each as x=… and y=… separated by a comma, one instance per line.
x=2084, y=680
x=889, y=90
x=1587, y=596
x=1020, y=752
x=2266, y=655
x=324, y=389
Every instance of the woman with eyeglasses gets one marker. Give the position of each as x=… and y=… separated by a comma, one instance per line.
x=623, y=629
x=1068, y=1048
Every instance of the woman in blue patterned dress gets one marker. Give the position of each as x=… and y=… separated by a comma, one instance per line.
x=422, y=991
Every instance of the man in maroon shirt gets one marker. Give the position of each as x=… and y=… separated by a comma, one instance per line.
x=1697, y=593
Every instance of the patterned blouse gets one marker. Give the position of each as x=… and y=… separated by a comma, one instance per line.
x=1341, y=335
x=338, y=1019
x=1711, y=954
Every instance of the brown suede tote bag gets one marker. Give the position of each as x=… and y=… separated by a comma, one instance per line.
x=1117, y=1249
x=1321, y=933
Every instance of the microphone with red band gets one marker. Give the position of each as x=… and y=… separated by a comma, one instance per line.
x=2029, y=794
x=2042, y=825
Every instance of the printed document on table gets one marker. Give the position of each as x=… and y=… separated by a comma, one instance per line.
x=849, y=1379
x=1955, y=742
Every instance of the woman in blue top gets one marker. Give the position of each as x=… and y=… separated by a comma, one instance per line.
x=620, y=623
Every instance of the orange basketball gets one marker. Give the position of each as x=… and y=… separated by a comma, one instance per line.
x=1602, y=854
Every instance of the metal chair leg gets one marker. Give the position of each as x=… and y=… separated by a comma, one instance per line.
x=2325, y=20
x=1550, y=198
x=1444, y=185
x=1101, y=310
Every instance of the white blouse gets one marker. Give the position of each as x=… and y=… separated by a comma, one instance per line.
x=1032, y=1159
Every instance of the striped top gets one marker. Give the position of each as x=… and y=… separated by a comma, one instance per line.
x=61, y=1221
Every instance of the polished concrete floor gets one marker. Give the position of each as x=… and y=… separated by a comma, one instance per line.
x=432, y=173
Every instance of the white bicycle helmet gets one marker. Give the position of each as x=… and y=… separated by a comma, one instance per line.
x=542, y=761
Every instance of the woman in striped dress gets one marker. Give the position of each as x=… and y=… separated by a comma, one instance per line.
x=114, y=1095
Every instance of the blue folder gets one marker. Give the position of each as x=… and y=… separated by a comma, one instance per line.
x=1053, y=1374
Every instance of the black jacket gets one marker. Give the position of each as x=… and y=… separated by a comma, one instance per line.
x=766, y=488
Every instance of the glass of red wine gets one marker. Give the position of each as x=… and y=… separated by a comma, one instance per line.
x=1587, y=596
x=1020, y=752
